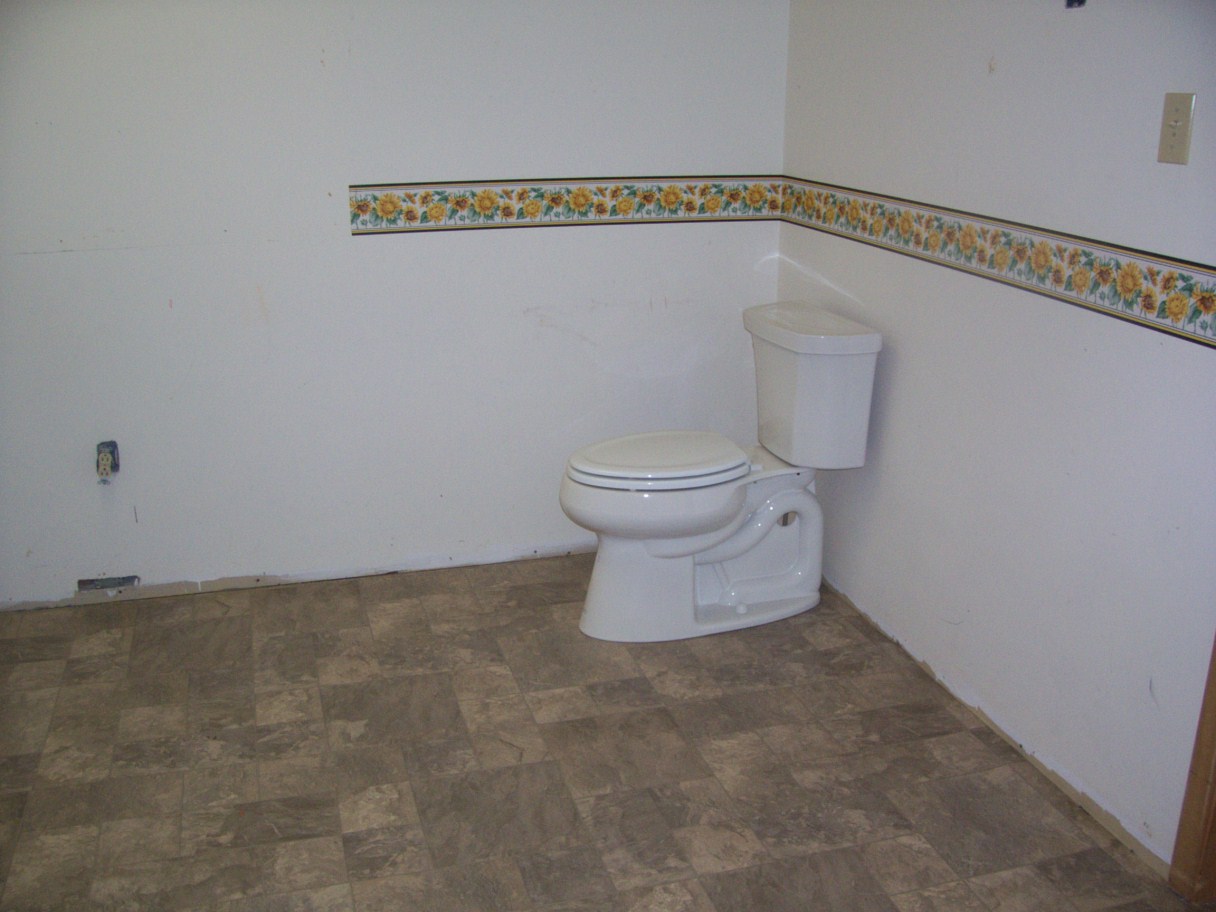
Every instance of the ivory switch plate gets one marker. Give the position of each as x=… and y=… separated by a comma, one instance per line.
x=1175, y=145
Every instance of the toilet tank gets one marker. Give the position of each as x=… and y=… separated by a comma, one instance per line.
x=814, y=379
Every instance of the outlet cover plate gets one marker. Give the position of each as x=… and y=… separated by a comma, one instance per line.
x=1174, y=147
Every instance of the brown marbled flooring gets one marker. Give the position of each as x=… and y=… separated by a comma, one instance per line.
x=448, y=740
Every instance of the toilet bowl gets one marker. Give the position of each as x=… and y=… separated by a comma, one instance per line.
x=697, y=535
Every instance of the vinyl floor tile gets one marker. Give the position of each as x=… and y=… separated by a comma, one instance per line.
x=636, y=843
x=623, y=751
x=448, y=741
x=1008, y=823
x=505, y=811
x=825, y=882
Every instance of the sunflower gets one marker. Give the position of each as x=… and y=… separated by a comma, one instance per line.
x=485, y=202
x=968, y=238
x=388, y=205
x=580, y=199
x=906, y=224
x=1040, y=257
x=1148, y=300
x=1129, y=280
x=670, y=197
x=1175, y=307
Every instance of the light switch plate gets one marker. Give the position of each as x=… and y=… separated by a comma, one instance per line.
x=1175, y=145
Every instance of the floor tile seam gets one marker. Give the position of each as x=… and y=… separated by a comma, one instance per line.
x=519, y=691
x=346, y=878
x=953, y=777
x=255, y=817
x=604, y=714
x=181, y=813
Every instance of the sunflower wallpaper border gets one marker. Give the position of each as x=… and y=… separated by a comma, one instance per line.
x=1158, y=292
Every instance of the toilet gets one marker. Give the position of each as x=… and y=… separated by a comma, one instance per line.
x=699, y=536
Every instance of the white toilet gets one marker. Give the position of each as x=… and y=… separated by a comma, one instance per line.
x=698, y=536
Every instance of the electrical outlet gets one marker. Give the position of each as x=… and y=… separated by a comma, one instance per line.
x=1174, y=147
x=107, y=461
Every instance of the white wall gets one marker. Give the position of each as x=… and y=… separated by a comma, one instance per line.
x=1036, y=517
x=177, y=273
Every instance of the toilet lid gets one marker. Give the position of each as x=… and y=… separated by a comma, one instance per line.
x=659, y=461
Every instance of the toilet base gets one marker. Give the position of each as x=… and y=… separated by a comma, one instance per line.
x=635, y=597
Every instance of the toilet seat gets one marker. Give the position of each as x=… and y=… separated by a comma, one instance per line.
x=659, y=461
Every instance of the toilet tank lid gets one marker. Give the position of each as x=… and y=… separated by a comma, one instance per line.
x=806, y=328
